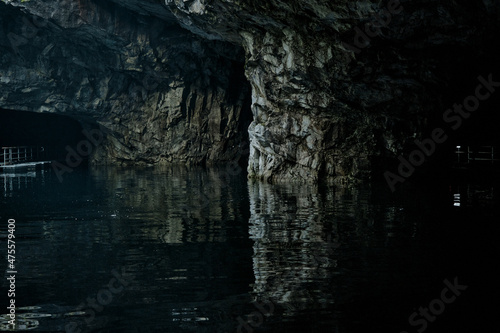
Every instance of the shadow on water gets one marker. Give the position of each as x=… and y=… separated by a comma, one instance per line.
x=194, y=250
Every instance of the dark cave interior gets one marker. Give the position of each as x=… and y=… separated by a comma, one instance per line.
x=51, y=131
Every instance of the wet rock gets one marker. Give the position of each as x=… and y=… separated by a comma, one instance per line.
x=337, y=89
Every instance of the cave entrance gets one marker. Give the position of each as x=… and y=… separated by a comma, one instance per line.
x=30, y=136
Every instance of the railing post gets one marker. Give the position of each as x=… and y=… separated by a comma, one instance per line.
x=10, y=155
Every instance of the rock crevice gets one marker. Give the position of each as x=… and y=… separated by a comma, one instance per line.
x=322, y=90
x=339, y=88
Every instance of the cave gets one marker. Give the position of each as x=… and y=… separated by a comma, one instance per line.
x=249, y=166
x=177, y=84
x=50, y=132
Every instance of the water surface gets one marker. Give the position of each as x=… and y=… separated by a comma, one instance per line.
x=203, y=251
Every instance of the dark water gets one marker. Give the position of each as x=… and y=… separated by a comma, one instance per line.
x=201, y=251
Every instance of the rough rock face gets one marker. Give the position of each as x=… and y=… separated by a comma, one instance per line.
x=337, y=87
x=160, y=93
x=331, y=99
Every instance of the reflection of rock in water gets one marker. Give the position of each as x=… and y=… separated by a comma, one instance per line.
x=295, y=246
x=175, y=203
x=311, y=245
x=49, y=317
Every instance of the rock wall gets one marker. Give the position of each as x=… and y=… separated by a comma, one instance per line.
x=160, y=93
x=337, y=88
x=340, y=87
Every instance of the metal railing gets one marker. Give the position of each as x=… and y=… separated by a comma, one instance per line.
x=21, y=154
x=479, y=153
